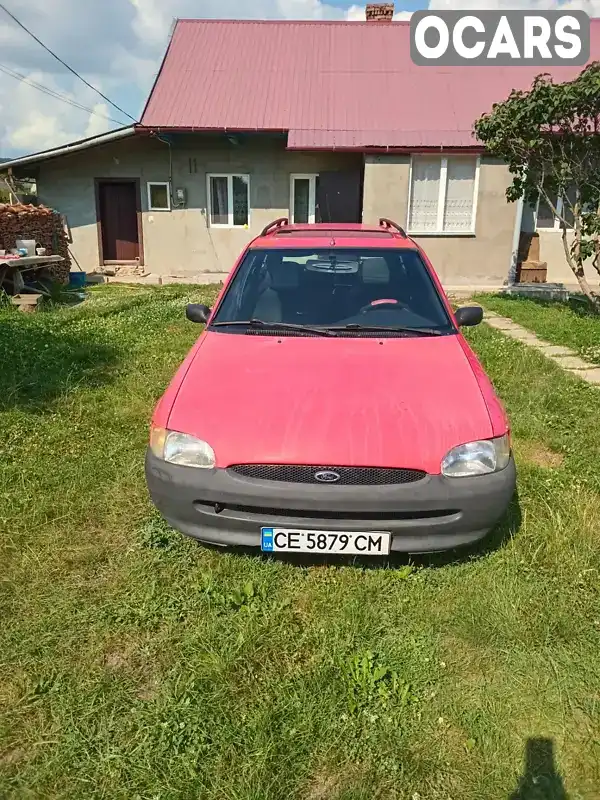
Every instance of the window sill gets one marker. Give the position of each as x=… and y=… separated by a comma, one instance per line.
x=158, y=209
x=553, y=230
x=229, y=227
x=462, y=234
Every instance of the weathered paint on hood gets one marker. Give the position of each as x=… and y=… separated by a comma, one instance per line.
x=400, y=402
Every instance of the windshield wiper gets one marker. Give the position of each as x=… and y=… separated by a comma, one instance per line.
x=355, y=326
x=286, y=326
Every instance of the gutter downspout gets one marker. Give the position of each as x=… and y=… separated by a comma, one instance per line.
x=512, y=270
x=172, y=198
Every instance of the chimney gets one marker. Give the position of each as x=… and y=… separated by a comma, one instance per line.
x=379, y=12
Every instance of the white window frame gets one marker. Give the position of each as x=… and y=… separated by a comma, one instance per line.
x=230, y=176
x=557, y=227
x=166, y=184
x=312, y=194
x=442, y=198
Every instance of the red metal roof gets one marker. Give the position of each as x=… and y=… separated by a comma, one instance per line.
x=329, y=84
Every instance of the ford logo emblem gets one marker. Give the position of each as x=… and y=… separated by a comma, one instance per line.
x=327, y=477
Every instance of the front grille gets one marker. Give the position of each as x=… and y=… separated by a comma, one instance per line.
x=349, y=476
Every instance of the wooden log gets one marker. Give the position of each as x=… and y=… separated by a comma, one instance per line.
x=20, y=221
x=27, y=303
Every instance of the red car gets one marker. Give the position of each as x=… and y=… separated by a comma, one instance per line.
x=332, y=405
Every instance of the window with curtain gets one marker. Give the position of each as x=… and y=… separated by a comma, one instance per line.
x=303, y=198
x=229, y=200
x=443, y=194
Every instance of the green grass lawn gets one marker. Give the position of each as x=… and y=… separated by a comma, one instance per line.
x=139, y=665
x=569, y=324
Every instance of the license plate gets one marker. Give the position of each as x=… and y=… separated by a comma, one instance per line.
x=287, y=540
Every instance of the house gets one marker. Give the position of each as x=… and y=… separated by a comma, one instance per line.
x=249, y=121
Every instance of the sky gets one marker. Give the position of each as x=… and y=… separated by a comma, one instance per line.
x=118, y=45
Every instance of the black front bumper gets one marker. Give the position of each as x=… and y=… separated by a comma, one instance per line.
x=434, y=514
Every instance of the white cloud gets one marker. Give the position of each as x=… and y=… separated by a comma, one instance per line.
x=356, y=13
x=32, y=120
x=151, y=22
x=98, y=122
x=117, y=45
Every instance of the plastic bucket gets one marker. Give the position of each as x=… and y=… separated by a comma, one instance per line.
x=77, y=279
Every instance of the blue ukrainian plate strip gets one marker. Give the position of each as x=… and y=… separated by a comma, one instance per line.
x=267, y=544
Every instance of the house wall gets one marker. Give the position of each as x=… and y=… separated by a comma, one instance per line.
x=552, y=251
x=480, y=260
x=180, y=241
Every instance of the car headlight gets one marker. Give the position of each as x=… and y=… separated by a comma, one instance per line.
x=477, y=458
x=181, y=449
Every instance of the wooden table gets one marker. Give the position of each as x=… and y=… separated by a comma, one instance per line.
x=25, y=264
x=29, y=261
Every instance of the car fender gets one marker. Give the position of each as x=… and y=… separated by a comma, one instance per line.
x=497, y=413
x=162, y=412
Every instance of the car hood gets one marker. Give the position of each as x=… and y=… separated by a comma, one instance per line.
x=390, y=402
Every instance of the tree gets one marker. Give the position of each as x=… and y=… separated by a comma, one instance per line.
x=549, y=136
x=10, y=189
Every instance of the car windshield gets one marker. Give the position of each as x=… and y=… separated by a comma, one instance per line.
x=353, y=291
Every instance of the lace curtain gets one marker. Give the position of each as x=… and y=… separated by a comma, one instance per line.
x=458, y=210
x=425, y=194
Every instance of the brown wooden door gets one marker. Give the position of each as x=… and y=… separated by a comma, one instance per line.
x=339, y=196
x=118, y=207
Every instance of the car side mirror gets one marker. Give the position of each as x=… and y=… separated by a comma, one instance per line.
x=196, y=312
x=469, y=316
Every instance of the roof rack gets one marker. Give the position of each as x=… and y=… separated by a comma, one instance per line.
x=277, y=223
x=388, y=223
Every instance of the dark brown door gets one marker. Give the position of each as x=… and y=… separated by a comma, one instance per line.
x=338, y=196
x=118, y=204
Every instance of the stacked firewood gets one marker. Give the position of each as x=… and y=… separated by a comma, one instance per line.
x=43, y=224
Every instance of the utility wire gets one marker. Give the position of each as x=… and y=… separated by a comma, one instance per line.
x=51, y=93
x=64, y=63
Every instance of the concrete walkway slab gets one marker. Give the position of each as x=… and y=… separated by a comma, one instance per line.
x=553, y=349
x=503, y=324
x=563, y=357
x=529, y=338
x=591, y=376
x=570, y=362
x=520, y=334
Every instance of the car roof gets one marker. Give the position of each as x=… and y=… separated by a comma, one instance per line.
x=282, y=234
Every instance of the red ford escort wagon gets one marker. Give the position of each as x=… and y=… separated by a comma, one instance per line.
x=332, y=405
